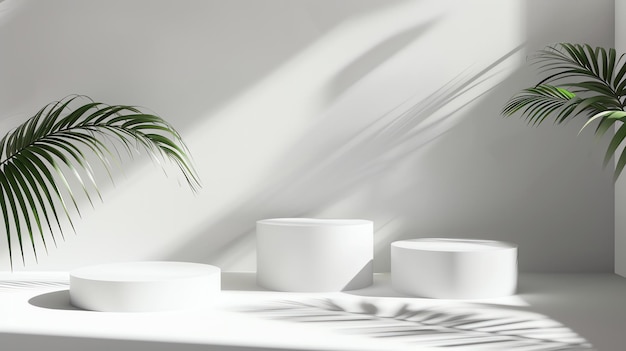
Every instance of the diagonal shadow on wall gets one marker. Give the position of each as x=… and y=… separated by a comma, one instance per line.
x=340, y=167
x=374, y=57
x=150, y=70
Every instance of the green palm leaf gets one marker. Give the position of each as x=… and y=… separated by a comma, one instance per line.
x=580, y=81
x=45, y=159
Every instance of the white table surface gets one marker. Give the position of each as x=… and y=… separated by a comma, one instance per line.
x=35, y=314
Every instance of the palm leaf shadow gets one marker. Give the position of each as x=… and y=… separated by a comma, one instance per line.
x=466, y=327
x=376, y=56
x=393, y=137
x=11, y=285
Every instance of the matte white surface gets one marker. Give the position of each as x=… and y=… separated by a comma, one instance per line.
x=38, y=316
x=454, y=268
x=144, y=286
x=312, y=255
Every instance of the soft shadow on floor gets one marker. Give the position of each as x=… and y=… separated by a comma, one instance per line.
x=240, y=281
x=381, y=287
x=457, y=325
x=49, y=342
x=56, y=300
x=593, y=305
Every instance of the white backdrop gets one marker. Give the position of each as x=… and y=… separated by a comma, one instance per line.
x=373, y=109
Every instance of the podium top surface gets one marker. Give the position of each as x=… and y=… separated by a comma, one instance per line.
x=452, y=245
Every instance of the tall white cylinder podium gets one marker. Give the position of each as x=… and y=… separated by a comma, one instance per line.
x=314, y=255
x=454, y=268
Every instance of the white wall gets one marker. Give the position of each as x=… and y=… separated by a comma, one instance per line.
x=375, y=109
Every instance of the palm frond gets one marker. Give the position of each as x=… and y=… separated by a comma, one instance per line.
x=538, y=103
x=45, y=159
x=580, y=81
x=565, y=60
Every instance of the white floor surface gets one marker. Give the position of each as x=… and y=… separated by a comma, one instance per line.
x=550, y=312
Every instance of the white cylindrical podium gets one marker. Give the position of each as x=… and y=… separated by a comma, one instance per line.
x=314, y=255
x=454, y=268
x=144, y=286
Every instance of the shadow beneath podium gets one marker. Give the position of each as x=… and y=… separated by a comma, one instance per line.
x=240, y=281
x=362, y=278
x=56, y=300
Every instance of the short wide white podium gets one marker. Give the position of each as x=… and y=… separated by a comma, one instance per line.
x=314, y=255
x=454, y=268
x=144, y=286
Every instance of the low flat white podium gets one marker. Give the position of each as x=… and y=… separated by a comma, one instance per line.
x=144, y=286
x=454, y=268
x=314, y=255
